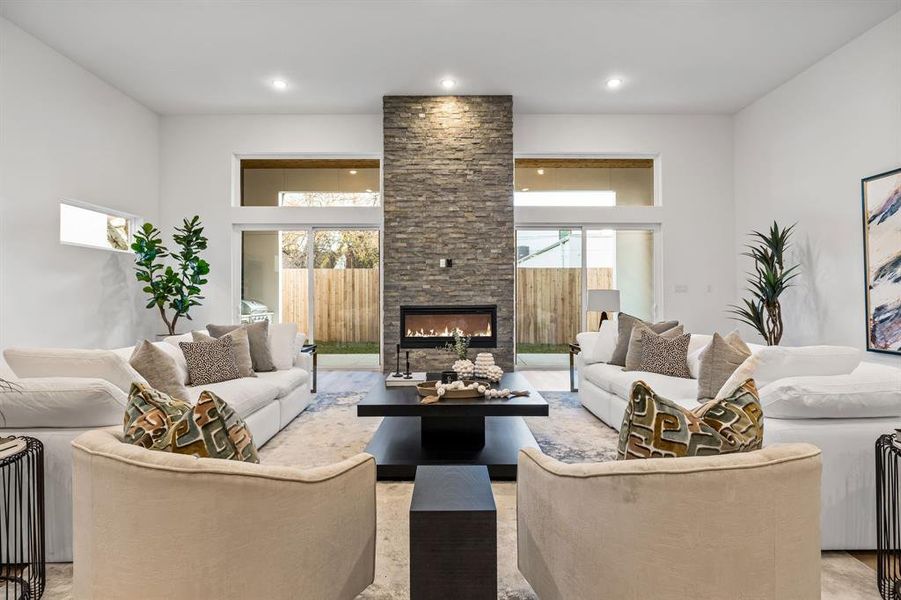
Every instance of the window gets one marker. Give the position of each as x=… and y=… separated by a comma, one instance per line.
x=584, y=182
x=84, y=225
x=324, y=280
x=310, y=182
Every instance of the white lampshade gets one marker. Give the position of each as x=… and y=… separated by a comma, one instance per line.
x=603, y=300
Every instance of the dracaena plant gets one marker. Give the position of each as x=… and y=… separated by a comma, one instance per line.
x=173, y=289
x=770, y=278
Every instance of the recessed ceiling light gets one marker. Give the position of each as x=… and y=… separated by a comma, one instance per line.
x=368, y=191
x=525, y=189
x=353, y=171
x=540, y=171
x=614, y=83
x=280, y=84
x=447, y=83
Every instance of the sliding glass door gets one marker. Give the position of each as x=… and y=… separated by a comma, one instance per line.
x=324, y=280
x=548, y=294
x=555, y=270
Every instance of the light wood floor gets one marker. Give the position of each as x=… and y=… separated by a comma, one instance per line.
x=867, y=557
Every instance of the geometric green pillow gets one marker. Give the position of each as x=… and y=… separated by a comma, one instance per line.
x=150, y=414
x=213, y=429
x=209, y=429
x=654, y=427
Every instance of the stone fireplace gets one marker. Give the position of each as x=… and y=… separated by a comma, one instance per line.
x=434, y=326
x=448, y=233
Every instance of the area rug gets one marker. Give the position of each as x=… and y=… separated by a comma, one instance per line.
x=329, y=431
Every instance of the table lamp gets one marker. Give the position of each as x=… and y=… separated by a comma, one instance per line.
x=603, y=300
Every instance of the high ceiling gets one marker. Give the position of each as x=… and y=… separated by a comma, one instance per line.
x=205, y=56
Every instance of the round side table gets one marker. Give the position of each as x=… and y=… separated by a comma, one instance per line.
x=22, y=565
x=888, y=517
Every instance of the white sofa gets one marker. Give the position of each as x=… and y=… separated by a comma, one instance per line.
x=848, y=509
x=56, y=407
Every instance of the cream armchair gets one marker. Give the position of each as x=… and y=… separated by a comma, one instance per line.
x=156, y=525
x=734, y=526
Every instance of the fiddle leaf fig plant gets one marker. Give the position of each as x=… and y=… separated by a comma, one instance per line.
x=770, y=279
x=172, y=287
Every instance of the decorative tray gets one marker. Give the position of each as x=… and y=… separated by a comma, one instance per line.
x=427, y=388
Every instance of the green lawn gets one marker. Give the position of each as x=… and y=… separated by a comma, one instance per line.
x=347, y=347
x=542, y=348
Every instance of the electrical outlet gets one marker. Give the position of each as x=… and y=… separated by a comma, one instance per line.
x=445, y=263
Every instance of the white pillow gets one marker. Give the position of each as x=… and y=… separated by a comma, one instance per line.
x=598, y=346
x=283, y=344
x=870, y=391
x=779, y=362
x=70, y=362
x=696, y=347
x=63, y=402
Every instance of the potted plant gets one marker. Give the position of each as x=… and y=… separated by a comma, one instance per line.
x=172, y=289
x=770, y=279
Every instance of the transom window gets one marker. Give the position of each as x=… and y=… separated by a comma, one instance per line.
x=321, y=183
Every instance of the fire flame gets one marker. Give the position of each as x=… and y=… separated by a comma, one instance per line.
x=449, y=332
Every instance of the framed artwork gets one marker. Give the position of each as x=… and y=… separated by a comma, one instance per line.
x=882, y=260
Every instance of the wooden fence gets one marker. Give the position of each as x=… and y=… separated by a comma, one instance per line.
x=549, y=303
x=346, y=303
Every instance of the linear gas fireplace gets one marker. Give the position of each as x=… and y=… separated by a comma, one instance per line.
x=429, y=326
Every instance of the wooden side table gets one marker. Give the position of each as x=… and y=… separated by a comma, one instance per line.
x=888, y=517
x=22, y=556
x=453, y=534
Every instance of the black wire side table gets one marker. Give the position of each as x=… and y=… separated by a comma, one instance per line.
x=888, y=517
x=22, y=565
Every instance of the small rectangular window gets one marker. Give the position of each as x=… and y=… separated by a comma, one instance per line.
x=95, y=227
x=311, y=182
x=571, y=182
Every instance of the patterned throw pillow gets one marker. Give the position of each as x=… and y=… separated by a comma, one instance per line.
x=210, y=429
x=624, y=323
x=636, y=345
x=654, y=427
x=665, y=356
x=210, y=362
x=150, y=414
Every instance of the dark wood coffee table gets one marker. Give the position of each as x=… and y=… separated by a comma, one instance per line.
x=450, y=432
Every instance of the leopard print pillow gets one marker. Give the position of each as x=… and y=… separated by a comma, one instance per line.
x=210, y=362
x=665, y=356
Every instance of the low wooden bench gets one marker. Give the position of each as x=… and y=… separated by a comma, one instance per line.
x=453, y=534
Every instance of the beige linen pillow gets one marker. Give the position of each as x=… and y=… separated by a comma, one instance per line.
x=240, y=348
x=258, y=336
x=718, y=362
x=159, y=369
x=625, y=323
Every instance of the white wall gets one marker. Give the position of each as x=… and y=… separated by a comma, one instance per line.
x=197, y=160
x=695, y=154
x=800, y=153
x=64, y=133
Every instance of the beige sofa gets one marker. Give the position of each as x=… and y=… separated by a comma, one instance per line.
x=157, y=525
x=742, y=525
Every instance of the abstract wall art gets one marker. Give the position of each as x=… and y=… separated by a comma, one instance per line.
x=882, y=260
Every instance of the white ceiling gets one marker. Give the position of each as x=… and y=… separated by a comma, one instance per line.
x=205, y=56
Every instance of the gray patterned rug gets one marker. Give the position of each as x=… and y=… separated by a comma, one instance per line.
x=329, y=431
